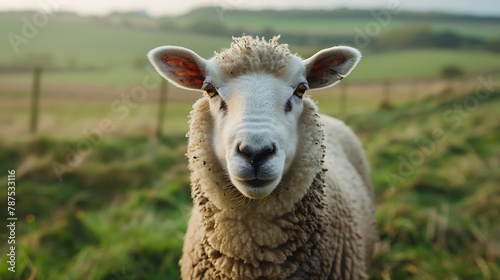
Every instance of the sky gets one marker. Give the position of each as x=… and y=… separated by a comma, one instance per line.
x=178, y=7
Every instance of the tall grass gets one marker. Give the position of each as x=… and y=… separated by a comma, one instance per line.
x=123, y=210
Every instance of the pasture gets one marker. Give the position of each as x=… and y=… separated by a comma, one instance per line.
x=115, y=205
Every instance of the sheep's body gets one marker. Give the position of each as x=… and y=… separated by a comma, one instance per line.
x=328, y=233
x=279, y=191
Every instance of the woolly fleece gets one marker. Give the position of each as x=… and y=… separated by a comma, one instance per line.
x=318, y=224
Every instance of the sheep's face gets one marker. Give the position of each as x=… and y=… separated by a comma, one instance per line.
x=255, y=113
x=255, y=128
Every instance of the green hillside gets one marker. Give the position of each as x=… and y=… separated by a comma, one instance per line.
x=343, y=21
x=94, y=44
x=111, y=50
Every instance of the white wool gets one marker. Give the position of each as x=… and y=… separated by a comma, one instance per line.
x=252, y=230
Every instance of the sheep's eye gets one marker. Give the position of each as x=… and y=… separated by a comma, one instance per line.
x=300, y=90
x=211, y=91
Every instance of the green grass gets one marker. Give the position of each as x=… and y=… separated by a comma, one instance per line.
x=119, y=76
x=414, y=64
x=436, y=214
x=133, y=192
x=122, y=210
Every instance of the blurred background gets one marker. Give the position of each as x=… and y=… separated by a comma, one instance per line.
x=97, y=139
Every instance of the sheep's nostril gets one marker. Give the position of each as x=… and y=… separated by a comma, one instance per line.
x=256, y=157
x=244, y=151
x=266, y=152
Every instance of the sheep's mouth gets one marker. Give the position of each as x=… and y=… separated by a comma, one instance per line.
x=257, y=183
x=256, y=188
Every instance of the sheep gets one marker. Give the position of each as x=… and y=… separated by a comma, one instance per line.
x=279, y=191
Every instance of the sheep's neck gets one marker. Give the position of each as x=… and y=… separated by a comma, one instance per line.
x=295, y=233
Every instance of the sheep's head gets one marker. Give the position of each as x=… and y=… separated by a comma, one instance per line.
x=255, y=90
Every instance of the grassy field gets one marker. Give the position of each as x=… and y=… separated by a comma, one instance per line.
x=115, y=206
x=95, y=45
x=120, y=209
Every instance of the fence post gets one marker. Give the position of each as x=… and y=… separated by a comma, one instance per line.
x=386, y=95
x=161, y=108
x=37, y=73
x=415, y=90
x=343, y=99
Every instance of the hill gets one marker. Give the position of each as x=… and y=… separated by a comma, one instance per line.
x=111, y=50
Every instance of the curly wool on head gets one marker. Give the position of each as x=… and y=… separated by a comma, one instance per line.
x=248, y=54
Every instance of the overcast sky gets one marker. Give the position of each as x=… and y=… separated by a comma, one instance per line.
x=177, y=7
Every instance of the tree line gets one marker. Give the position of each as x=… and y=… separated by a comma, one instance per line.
x=407, y=37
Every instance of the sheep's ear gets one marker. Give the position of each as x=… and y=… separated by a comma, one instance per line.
x=331, y=65
x=179, y=65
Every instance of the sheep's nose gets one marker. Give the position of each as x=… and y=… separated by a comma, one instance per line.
x=256, y=156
